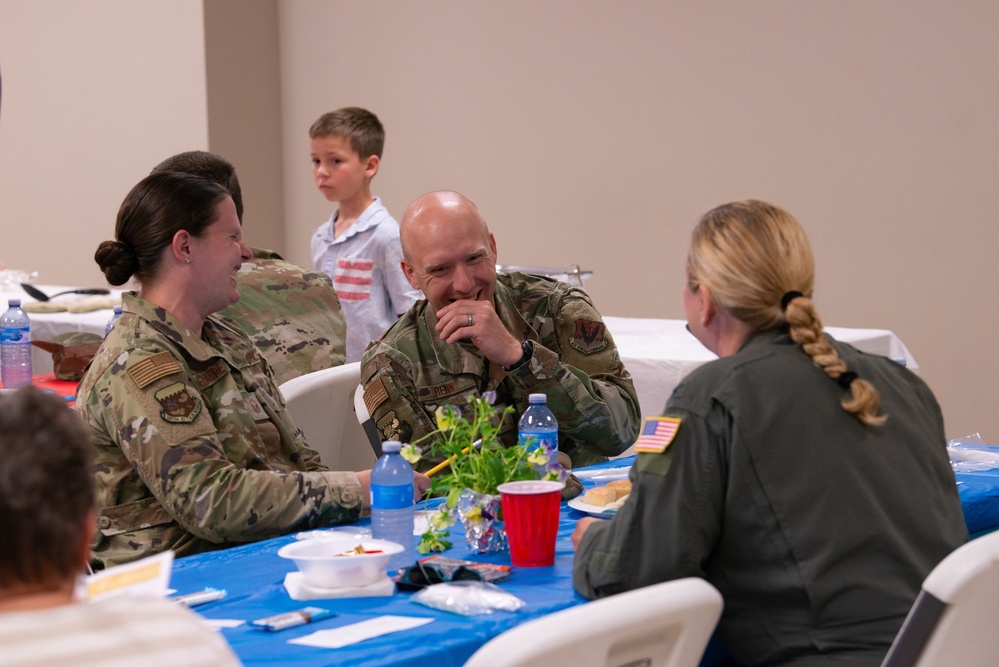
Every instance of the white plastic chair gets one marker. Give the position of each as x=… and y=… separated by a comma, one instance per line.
x=953, y=620
x=322, y=405
x=664, y=625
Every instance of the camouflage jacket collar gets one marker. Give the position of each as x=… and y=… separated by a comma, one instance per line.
x=220, y=334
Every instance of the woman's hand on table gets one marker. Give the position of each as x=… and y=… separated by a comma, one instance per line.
x=581, y=526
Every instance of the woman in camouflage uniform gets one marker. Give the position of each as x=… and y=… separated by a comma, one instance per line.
x=195, y=450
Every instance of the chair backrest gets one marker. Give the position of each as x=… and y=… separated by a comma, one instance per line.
x=322, y=405
x=663, y=625
x=952, y=621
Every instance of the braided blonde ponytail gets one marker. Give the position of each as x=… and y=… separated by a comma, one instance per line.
x=806, y=331
x=750, y=254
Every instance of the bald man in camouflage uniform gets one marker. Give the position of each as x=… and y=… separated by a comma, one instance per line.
x=292, y=314
x=195, y=450
x=513, y=334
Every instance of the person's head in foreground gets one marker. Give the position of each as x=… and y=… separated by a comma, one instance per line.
x=180, y=237
x=806, y=480
x=46, y=499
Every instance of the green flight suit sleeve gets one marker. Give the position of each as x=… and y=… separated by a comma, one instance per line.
x=671, y=521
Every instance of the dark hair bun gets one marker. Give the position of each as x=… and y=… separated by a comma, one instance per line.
x=117, y=261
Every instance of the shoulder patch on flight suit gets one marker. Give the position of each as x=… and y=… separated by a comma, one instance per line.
x=179, y=406
x=589, y=337
x=656, y=435
x=374, y=395
x=153, y=368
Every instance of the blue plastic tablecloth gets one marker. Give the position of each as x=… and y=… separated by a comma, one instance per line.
x=253, y=576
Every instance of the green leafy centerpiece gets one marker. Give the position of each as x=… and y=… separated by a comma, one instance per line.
x=476, y=464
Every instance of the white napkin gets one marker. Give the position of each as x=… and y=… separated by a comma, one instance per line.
x=358, y=632
x=298, y=589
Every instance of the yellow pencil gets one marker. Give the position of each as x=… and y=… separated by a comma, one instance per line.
x=446, y=462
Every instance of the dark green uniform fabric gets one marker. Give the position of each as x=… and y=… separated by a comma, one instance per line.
x=817, y=530
x=195, y=450
x=410, y=371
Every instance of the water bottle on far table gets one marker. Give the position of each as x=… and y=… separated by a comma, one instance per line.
x=15, y=347
x=392, y=505
x=113, y=320
x=538, y=423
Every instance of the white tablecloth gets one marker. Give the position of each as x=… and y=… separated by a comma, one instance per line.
x=659, y=353
x=44, y=326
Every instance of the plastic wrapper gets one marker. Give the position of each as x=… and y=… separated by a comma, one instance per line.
x=970, y=454
x=12, y=278
x=467, y=598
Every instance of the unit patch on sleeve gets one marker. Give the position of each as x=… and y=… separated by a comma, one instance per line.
x=656, y=435
x=589, y=336
x=179, y=406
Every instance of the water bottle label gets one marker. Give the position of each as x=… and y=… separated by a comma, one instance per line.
x=391, y=497
x=15, y=334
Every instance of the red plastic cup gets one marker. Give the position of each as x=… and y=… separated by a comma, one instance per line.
x=530, y=515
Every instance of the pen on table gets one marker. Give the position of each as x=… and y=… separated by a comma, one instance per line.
x=446, y=462
x=292, y=618
x=200, y=597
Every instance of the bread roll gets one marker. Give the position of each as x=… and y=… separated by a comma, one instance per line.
x=622, y=487
x=600, y=496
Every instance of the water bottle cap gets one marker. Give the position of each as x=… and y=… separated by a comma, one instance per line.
x=117, y=309
x=391, y=446
x=538, y=398
x=14, y=303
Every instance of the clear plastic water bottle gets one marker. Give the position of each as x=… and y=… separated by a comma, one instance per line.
x=392, y=505
x=538, y=423
x=113, y=320
x=15, y=346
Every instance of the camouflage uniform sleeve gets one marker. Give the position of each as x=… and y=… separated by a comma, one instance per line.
x=153, y=409
x=589, y=390
x=390, y=395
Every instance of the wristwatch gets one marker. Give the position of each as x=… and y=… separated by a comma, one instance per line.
x=528, y=348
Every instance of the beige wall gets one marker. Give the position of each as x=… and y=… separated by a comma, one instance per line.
x=95, y=94
x=588, y=132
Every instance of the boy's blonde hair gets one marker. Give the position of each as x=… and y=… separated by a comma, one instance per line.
x=757, y=263
x=359, y=126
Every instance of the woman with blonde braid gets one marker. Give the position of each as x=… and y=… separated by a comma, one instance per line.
x=806, y=480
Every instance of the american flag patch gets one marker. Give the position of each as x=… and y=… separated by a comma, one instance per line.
x=352, y=279
x=657, y=433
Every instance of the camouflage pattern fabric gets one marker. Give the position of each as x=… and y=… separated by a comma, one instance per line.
x=292, y=314
x=195, y=450
x=410, y=371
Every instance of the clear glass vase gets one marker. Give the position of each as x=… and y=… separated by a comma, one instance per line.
x=479, y=514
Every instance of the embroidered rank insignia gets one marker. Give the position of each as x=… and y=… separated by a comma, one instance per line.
x=153, y=368
x=375, y=395
x=179, y=406
x=589, y=337
x=657, y=434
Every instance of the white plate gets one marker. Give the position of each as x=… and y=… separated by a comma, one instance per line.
x=593, y=510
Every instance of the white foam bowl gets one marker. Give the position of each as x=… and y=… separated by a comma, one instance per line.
x=322, y=566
